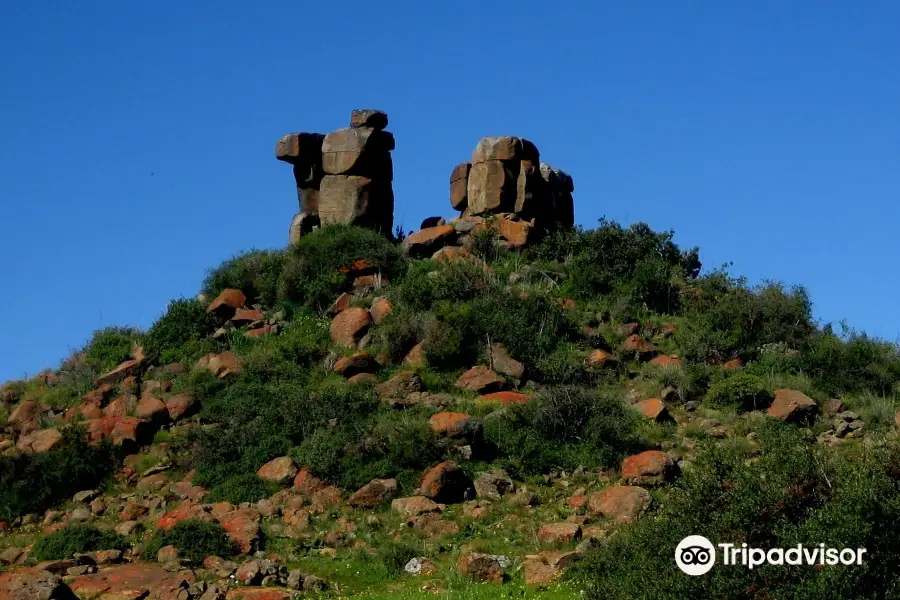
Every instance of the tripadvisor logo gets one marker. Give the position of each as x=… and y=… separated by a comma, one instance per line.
x=696, y=555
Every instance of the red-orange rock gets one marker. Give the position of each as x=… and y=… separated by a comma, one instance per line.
x=341, y=304
x=546, y=567
x=131, y=581
x=653, y=409
x=227, y=303
x=792, y=406
x=151, y=408
x=416, y=356
x=508, y=398
x=652, y=467
x=181, y=406
x=307, y=483
x=38, y=442
x=350, y=325
x=640, y=347
x=281, y=470
x=446, y=483
x=380, y=309
x=222, y=365
x=734, y=363
x=426, y=241
x=184, y=511
x=559, y=533
x=415, y=506
x=373, y=493
x=242, y=528
x=622, y=503
x=515, y=231
x=245, y=316
x=449, y=254
x=129, y=432
x=600, y=358
x=480, y=380
x=128, y=368
x=359, y=362
x=24, y=417
x=261, y=330
x=665, y=361
x=364, y=378
x=449, y=423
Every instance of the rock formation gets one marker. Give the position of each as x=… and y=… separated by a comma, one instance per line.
x=343, y=177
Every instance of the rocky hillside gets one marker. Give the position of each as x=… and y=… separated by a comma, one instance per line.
x=497, y=406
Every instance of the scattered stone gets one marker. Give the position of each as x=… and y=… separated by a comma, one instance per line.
x=503, y=363
x=421, y=566
x=222, y=365
x=666, y=361
x=600, y=358
x=427, y=241
x=480, y=380
x=414, y=506
x=227, y=304
x=484, y=567
x=494, y=484
x=622, y=503
x=350, y=326
x=401, y=384
x=32, y=584
x=281, y=470
x=792, y=406
x=373, y=493
x=652, y=467
x=380, y=309
x=559, y=533
x=654, y=410
x=359, y=362
x=446, y=483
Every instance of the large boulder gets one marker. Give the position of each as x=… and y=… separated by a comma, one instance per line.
x=38, y=442
x=459, y=186
x=652, y=467
x=373, y=493
x=427, y=241
x=446, y=483
x=358, y=151
x=222, y=365
x=356, y=200
x=33, y=584
x=480, y=380
x=350, y=325
x=228, y=302
x=492, y=187
x=622, y=503
x=281, y=470
x=793, y=406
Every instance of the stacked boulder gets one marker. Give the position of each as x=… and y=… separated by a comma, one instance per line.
x=507, y=180
x=343, y=177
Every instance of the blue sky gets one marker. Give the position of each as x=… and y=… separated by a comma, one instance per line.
x=136, y=139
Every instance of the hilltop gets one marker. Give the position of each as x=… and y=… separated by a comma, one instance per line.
x=500, y=404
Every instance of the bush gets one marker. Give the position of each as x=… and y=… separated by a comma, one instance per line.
x=726, y=318
x=741, y=391
x=34, y=483
x=178, y=335
x=256, y=273
x=563, y=428
x=194, y=539
x=791, y=492
x=428, y=283
x=855, y=364
x=638, y=264
x=382, y=445
x=110, y=346
x=317, y=266
x=75, y=538
x=242, y=488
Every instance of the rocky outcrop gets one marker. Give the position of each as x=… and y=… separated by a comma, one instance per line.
x=342, y=177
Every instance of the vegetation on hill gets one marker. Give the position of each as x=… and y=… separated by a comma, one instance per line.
x=567, y=311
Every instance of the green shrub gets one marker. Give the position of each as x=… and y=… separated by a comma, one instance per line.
x=179, y=334
x=428, y=282
x=741, y=391
x=791, y=492
x=726, y=318
x=256, y=273
x=313, y=267
x=563, y=428
x=242, y=488
x=75, y=538
x=194, y=539
x=855, y=364
x=34, y=483
x=486, y=244
x=382, y=445
x=110, y=346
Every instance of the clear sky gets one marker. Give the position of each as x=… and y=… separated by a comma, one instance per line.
x=136, y=138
